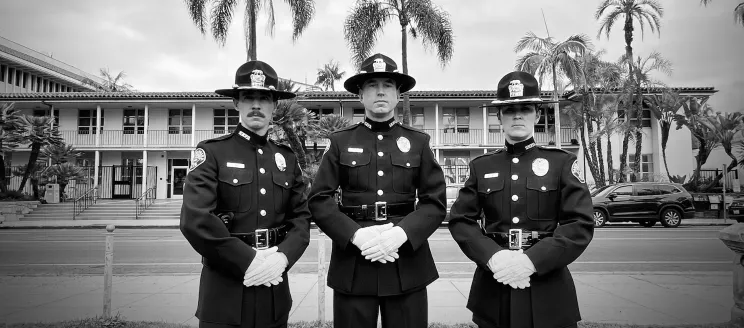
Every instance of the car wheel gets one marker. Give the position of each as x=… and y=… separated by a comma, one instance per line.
x=671, y=218
x=599, y=218
x=648, y=224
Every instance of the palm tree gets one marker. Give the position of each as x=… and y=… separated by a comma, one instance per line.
x=11, y=130
x=64, y=173
x=724, y=127
x=645, y=12
x=420, y=18
x=664, y=106
x=39, y=133
x=548, y=57
x=114, y=83
x=221, y=14
x=738, y=11
x=695, y=112
x=294, y=121
x=328, y=75
x=287, y=85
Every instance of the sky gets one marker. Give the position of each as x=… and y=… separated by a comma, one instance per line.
x=159, y=48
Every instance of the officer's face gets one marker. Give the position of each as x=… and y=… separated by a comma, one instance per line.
x=379, y=97
x=519, y=121
x=256, y=109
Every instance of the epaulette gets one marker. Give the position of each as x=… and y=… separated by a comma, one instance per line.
x=225, y=137
x=350, y=127
x=410, y=128
x=493, y=152
x=556, y=149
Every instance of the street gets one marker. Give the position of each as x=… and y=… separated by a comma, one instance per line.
x=165, y=251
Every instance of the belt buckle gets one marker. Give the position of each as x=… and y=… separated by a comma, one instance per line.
x=515, y=239
x=381, y=211
x=261, y=238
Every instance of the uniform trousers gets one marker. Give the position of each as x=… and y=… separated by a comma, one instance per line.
x=257, y=310
x=409, y=310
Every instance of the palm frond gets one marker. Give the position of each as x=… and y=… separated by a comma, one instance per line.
x=271, y=21
x=303, y=12
x=362, y=26
x=434, y=26
x=608, y=22
x=739, y=14
x=221, y=17
x=197, y=13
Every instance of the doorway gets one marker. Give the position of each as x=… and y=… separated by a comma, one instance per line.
x=178, y=176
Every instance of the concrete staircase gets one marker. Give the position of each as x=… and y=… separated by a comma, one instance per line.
x=107, y=209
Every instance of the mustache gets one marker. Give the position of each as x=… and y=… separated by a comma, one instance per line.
x=255, y=113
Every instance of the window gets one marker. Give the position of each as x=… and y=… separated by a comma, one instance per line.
x=3, y=70
x=417, y=117
x=546, y=121
x=179, y=121
x=358, y=115
x=87, y=121
x=134, y=120
x=225, y=120
x=320, y=112
x=645, y=116
x=494, y=124
x=646, y=173
x=38, y=84
x=624, y=191
x=45, y=112
x=456, y=119
x=646, y=190
x=18, y=77
x=136, y=165
x=667, y=189
x=455, y=167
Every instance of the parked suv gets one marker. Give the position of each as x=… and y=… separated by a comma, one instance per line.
x=643, y=202
x=736, y=210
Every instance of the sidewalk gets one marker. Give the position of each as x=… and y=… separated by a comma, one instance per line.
x=173, y=223
x=664, y=299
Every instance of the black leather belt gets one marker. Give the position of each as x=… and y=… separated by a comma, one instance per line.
x=263, y=238
x=518, y=238
x=379, y=211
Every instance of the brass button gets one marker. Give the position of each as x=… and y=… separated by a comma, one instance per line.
x=379, y=193
x=260, y=151
x=515, y=160
x=379, y=137
x=543, y=188
x=263, y=191
x=515, y=220
x=380, y=173
x=263, y=212
x=488, y=190
x=408, y=164
x=515, y=198
x=515, y=177
x=286, y=184
x=379, y=153
x=262, y=170
x=235, y=180
x=353, y=162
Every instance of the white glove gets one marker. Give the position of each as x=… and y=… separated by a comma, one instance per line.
x=500, y=259
x=258, y=260
x=269, y=272
x=386, y=244
x=519, y=268
x=364, y=235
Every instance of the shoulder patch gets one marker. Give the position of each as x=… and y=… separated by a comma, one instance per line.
x=197, y=158
x=577, y=171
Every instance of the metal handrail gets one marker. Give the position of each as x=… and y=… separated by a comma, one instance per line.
x=84, y=201
x=144, y=201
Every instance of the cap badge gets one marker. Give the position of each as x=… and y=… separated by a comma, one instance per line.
x=404, y=144
x=516, y=88
x=379, y=65
x=257, y=78
x=540, y=166
x=281, y=163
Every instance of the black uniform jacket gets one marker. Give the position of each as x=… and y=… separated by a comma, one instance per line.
x=259, y=182
x=531, y=188
x=370, y=162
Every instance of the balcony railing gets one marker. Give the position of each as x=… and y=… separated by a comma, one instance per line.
x=182, y=138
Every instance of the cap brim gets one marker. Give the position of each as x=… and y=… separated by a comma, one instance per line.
x=234, y=92
x=403, y=81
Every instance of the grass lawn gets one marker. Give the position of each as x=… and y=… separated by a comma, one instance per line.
x=119, y=322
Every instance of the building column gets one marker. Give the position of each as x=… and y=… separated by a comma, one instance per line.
x=557, y=111
x=144, y=168
x=147, y=116
x=436, y=124
x=193, y=125
x=485, y=124
x=436, y=153
x=96, y=165
x=98, y=126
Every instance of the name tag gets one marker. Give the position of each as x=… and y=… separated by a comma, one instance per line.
x=491, y=175
x=236, y=165
x=356, y=150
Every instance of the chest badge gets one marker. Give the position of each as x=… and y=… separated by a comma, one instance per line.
x=403, y=144
x=281, y=163
x=540, y=166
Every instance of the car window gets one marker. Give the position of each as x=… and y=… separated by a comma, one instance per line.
x=667, y=189
x=601, y=190
x=624, y=191
x=645, y=190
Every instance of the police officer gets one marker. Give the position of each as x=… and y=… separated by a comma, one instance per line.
x=245, y=212
x=381, y=261
x=537, y=219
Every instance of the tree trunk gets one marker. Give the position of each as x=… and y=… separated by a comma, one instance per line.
x=595, y=157
x=664, y=139
x=638, y=150
x=556, y=112
x=35, y=148
x=663, y=154
x=600, y=162
x=587, y=158
x=296, y=145
x=406, y=101
x=3, y=178
x=624, y=156
x=610, y=164
x=252, y=51
x=628, y=113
